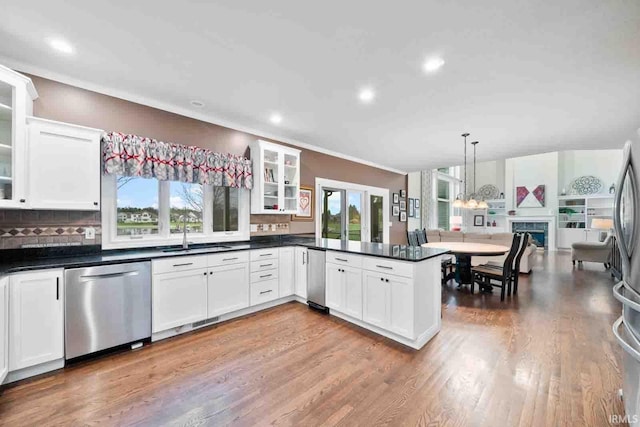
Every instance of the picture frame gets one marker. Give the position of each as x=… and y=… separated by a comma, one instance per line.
x=403, y=193
x=478, y=220
x=306, y=205
x=403, y=205
x=403, y=216
x=411, y=208
x=395, y=210
x=396, y=198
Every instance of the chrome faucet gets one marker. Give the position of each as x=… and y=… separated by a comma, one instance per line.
x=185, y=243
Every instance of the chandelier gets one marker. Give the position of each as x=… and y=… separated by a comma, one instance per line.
x=464, y=200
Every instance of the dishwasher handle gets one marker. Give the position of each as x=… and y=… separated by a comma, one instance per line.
x=92, y=277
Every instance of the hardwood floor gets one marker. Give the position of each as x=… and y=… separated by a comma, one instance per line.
x=544, y=358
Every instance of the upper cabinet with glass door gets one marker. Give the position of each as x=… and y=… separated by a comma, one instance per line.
x=16, y=103
x=276, y=178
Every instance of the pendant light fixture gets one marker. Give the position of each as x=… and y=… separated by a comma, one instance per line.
x=473, y=203
x=461, y=198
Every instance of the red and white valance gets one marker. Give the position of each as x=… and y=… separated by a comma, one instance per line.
x=132, y=155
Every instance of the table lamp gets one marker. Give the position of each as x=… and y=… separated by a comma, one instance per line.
x=456, y=222
x=602, y=224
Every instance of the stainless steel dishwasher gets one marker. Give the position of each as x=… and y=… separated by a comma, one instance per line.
x=106, y=306
x=316, y=279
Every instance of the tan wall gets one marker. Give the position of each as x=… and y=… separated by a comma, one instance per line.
x=70, y=104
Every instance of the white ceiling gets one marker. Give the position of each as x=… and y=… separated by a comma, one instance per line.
x=521, y=76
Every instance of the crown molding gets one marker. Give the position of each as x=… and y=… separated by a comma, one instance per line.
x=154, y=103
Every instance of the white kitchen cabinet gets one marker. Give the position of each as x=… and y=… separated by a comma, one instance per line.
x=375, y=299
x=4, y=328
x=301, y=272
x=287, y=272
x=344, y=289
x=334, y=289
x=179, y=298
x=227, y=289
x=276, y=178
x=36, y=318
x=63, y=166
x=16, y=103
x=400, y=309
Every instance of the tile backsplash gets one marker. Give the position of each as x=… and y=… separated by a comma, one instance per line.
x=28, y=228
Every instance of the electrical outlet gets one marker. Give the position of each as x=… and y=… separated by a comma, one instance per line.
x=89, y=233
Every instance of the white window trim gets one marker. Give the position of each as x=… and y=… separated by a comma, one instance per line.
x=365, y=217
x=110, y=239
x=454, y=188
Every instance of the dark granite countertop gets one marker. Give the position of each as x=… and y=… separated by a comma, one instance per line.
x=25, y=260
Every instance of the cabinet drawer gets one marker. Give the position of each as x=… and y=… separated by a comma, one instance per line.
x=262, y=254
x=262, y=265
x=382, y=265
x=260, y=276
x=264, y=291
x=344, y=259
x=228, y=258
x=179, y=263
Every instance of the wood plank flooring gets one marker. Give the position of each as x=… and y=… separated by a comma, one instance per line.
x=544, y=358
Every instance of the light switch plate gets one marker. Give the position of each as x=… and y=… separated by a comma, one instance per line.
x=90, y=233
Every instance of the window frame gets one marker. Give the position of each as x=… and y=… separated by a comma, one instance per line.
x=111, y=240
x=454, y=189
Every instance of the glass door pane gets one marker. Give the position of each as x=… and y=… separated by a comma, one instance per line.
x=271, y=179
x=332, y=214
x=355, y=215
x=377, y=219
x=6, y=141
x=291, y=182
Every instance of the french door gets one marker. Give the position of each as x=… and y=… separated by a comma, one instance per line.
x=352, y=212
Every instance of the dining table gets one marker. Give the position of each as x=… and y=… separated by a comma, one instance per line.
x=463, y=252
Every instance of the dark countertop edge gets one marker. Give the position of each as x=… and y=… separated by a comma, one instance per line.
x=68, y=262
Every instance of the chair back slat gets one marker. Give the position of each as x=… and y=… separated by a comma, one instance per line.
x=524, y=242
x=412, y=238
x=422, y=236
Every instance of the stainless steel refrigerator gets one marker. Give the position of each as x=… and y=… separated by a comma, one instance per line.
x=626, y=219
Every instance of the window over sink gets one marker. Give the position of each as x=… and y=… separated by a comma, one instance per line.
x=145, y=212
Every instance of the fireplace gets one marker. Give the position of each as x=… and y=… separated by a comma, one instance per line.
x=539, y=231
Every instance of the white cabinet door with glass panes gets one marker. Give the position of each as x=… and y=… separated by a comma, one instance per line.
x=16, y=103
x=276, y=178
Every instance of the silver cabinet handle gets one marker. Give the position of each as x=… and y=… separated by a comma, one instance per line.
x=184, y=264
x=266, y=254
x=384, y=266
x=623, y=343
x=229, y=259
x=342, y=259
x=265, y=275
x=266, y=292
x=265, y=265
x=303, y=254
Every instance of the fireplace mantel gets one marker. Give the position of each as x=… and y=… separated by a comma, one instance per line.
x=549, y=219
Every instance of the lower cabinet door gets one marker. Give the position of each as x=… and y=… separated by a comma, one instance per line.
x=228, y=289
x=179, y=298
x=334, y=286
x=375, y=299
x=401, y=303
x=36, y=318
x=287, y=272
x=301, y=272
x=352, y=287
x=4, y=328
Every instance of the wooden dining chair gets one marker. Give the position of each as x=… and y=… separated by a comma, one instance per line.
x=515, y=271
x=486, y=277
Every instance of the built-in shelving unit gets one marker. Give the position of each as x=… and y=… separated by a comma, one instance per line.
x=276, y=175
x=575, y=215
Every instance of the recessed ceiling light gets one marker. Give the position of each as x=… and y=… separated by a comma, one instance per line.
x=61, y=45
x=433, y=64
x=275, y=118
x=197, y=104
x=366, y=95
